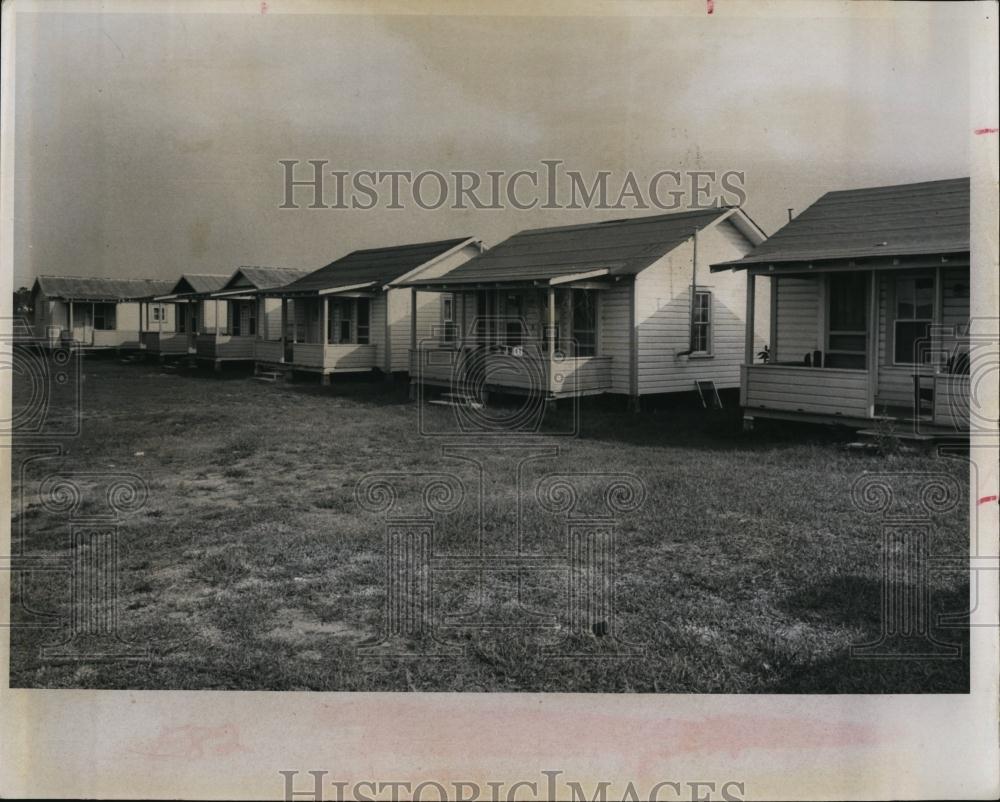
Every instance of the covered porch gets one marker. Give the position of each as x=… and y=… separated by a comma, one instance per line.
x=324, y=332
x=94, y=323
x=167, y=326
x=862, y=340
x=534, y=337
x=234, y=334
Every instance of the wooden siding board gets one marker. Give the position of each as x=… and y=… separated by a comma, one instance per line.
x=663, y=315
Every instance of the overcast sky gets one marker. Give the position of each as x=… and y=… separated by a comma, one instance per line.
x=148, y=145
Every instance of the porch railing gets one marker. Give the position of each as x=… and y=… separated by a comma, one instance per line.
x=268, y=351
x=224, y=346
x=165, y=342
x=346, y=357
x=819, y=391
x=560, y=375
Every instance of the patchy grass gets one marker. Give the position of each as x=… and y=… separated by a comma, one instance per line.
x=748, y=568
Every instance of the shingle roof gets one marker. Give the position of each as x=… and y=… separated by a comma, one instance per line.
x=264, y=278
x=931, y=217
x=624, y=247
x=197, y=283
x=100, y=289
x=379, y=265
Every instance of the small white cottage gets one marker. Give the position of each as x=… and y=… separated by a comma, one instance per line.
x=90, y=313
x=625, y=307
x=244, y=317
x=170, y=321
x=869, y=309
x=351, y=315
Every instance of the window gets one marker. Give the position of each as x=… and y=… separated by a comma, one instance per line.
x=104, y=317
x=514, y=318
x=847, y=315
x=701, y=324
x=585, y=322
x=448, y=318
x=914, y=315
x=364, y=321
x=159, y=312
x=348, y=321
x=242, y=317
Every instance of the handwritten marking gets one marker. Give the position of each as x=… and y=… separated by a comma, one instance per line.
x=263, y=7
x=987, y=499
x=981, y=131
x=710, y=6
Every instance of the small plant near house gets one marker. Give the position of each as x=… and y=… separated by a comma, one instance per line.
x=887, y=442
x=764, y=355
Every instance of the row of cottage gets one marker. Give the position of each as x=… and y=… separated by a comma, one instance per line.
x=856, y=309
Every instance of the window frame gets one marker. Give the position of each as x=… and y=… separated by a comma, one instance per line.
x=105, y=316
x=362, y=334
x=709, y=324
x=896, y=319
x=574, y=328
x=448, y=333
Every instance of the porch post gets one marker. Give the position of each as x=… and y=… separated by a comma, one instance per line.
x=217, y=317
x=324, y=321
x=551, y=323
x=937, y=334
x=71, y=320
x=748, y=335
x=284, y=325
x=872, y=342
x=463, y=333
x=414, y=355
x=413, y=318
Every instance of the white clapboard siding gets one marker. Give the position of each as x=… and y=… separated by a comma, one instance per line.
x=615, y=333
x=797, y=310
x=951, y=401
x=824, y=391
x=428, y=323
x=270, y=326
x=663, y=315
x=429, y=319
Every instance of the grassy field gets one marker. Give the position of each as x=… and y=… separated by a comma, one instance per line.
x=748, y=568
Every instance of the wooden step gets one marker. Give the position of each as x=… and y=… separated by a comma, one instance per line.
x=457, y=400
x=920, y=437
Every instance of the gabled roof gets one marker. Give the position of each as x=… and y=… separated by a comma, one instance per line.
x=619, y=247
x=931, y=217
x=263, y=278
x=376, y=266
x=198, y=283
x=80, y=288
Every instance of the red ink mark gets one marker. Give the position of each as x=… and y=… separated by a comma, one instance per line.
x=710, y=6
x=981, y=131
x=987, y=499
x=191, y=741
x=263, y=7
